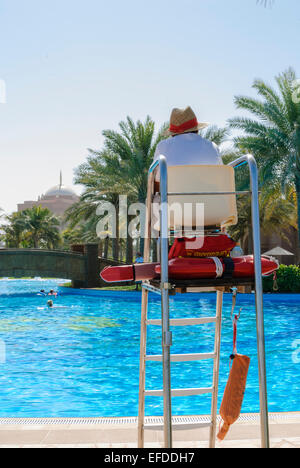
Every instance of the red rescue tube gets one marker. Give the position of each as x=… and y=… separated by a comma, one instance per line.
x=190, y=268
x=244, y=266
x=117, y=274
x=138, y=272
x=193, y=268
x=212, y=267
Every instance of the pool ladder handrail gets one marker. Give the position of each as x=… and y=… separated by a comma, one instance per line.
x=181, y=392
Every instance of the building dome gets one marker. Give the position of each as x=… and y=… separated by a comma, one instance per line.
x=57, y=199
x=60, y=191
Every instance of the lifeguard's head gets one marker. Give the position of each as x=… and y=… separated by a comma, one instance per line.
x=184, y=121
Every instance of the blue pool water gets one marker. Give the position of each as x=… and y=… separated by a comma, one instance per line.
x=82, y=358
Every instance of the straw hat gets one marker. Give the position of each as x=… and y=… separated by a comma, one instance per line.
x=184, y=121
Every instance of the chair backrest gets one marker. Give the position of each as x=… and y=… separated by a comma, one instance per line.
x=219, y=210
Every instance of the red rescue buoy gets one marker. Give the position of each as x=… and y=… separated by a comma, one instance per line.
x=191, y=268
x=138, y=272
x=214, y=267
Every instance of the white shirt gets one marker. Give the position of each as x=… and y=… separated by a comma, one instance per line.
x=188, y=149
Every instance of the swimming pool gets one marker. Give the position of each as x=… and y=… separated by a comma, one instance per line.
x=81, y=359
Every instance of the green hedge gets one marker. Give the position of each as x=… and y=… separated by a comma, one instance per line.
x=288, y=280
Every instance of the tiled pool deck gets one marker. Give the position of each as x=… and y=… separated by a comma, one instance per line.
x=121, y=433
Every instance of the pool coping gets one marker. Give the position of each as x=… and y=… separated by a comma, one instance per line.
x=122, y=421
x=106, y=293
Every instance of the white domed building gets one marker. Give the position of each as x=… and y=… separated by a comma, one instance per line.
x=57, y=199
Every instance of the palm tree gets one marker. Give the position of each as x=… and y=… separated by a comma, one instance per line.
x=13, y=230
x=82, y=216
x=278, y=213
x=215, y=134
x=129, y=153
x=274, y=136
x=99, y=187
x=41, y=227
x=121, y=167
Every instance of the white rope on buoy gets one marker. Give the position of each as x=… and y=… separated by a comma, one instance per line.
x=219, y=267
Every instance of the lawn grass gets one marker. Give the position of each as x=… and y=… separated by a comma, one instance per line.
x=118, y=288
x=113, y=288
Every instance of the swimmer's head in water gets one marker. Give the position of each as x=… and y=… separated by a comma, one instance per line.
x=50, y=303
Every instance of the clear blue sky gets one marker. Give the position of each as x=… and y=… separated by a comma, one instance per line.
x=73, y=68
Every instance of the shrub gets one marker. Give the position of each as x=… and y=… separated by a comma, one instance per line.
x=288, y=280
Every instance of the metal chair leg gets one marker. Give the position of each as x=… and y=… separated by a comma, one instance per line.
x=214, y=409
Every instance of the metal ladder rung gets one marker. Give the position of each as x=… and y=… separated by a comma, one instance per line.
x=178, y=426
x=180, y=392
x=183, y=357
x=186, y=321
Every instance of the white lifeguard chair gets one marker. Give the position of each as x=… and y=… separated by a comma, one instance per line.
x=181, y=184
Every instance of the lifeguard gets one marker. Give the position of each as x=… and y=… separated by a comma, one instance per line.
x=185, y=146
x=193, y=162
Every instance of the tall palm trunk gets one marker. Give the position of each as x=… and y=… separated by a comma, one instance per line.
x=115, y=240
x=18, y=241
x=142, y=200
x=129, y=249
x=154, y=250
x=297, y=185
x=100, y=248
x=115, y=249
x=35, y=242
x=250, y=241
x=106, y=247
x=141, y=245
x=129, y=239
